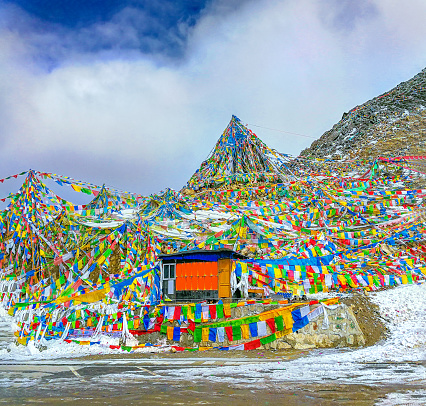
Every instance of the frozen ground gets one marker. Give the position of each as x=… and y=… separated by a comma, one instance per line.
x=404, y=308
x=393, y=371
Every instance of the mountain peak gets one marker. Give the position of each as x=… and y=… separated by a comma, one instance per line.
x=239, y=156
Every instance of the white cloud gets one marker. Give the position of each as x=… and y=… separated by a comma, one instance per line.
x=144, y=126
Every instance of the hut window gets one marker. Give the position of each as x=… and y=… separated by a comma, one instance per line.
x=169, y=280
x=169, y=271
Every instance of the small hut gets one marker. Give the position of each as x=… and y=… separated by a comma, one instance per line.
x=197, y=275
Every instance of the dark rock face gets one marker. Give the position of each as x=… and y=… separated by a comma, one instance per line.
x=391, y=124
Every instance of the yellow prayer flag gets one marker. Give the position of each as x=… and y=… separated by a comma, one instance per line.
x=245, y=331
x=205, y=334
x=227, y=309
x=288, y=320
x=170, y=333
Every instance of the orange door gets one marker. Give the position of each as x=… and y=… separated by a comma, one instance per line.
x=224, y=277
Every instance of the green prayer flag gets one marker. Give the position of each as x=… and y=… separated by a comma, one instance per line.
x=236, y=333
x=197, y=335
x=376, y=280
x=219, y=311
x=279, y=322
x=268, y=339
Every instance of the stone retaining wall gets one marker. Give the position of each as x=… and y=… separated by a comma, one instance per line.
x=342, y=331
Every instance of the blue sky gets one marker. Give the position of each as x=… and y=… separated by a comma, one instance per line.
x=79, y=13
x=135, y=93
x=113, y=29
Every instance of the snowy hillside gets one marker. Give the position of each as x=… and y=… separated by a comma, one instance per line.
x=392, y=124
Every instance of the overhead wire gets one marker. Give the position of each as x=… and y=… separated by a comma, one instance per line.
x=282, y=131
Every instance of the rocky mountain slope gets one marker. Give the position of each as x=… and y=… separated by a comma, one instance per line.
x=392, y=124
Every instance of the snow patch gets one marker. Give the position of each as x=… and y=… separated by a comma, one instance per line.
x=390, y=361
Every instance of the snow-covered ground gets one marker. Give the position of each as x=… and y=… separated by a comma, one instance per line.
x=9, y=351
x=396, y=364
x=408, y=398
x=404, y=307
x=394, y=360
x=60, y=349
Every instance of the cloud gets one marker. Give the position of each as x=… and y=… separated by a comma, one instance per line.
x=58, y=32
x=143, y=119
x=346, y=15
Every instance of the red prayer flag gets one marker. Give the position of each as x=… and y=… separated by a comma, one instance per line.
x=228, y=331
x=212, y=309
x=176, y=314
x=252, y=345
x=271, y=324
x=191, y=325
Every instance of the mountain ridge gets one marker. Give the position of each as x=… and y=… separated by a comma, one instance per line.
x=391, y=124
